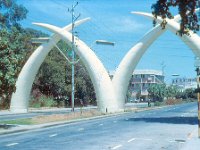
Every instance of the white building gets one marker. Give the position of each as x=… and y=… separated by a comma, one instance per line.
x=140, y=81
x=185, y=83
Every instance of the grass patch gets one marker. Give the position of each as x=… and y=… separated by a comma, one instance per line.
x=27, y=121
x=53, y=118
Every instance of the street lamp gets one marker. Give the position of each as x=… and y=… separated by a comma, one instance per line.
x=197, y=65
x=104, y=42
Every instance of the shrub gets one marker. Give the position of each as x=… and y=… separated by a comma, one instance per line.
x=42, y=101
x=157, y=103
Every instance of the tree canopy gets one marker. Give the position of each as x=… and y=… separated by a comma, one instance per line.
x=11, y=13
x=186, y=9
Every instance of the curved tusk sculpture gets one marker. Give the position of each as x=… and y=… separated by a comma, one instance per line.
x=21, y=97
x=106, y=98
x=129, y=62
x=192, y=40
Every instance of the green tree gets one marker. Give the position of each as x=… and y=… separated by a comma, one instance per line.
x=157, y=91
x=171, y=91
x=13, y=48
x=186, y=10
x=11, y=13
x=54, y=79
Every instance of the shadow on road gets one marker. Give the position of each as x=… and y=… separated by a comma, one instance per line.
x=170, y=120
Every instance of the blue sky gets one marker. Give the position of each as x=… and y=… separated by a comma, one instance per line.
x=111, y=20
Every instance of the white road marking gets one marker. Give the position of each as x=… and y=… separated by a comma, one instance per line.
x=53, y=135
x=80, y=129
x=116, y=147
x=127, y=119
x=101, y=124
x=11, y=144
x=131, y=140
x=114, y=121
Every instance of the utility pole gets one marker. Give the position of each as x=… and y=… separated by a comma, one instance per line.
x=74, y=18
x=163, y=67
x=197, y=65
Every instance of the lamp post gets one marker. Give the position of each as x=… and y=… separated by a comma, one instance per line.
x=197, y=65
x=104, y=42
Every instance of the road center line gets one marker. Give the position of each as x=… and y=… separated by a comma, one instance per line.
x=11, y=144
x=53, y=135
x=131, y=140
x=116, y=147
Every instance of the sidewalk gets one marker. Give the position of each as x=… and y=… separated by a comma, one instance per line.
x=192, y=144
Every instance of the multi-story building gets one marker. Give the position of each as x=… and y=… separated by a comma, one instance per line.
x=140, y=81
x=185, y=83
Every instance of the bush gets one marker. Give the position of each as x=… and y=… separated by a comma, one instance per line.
x=43, y=101
x=157, y=103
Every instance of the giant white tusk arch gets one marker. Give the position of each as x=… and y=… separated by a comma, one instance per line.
x=106, y=98
x=192, y=40
x=20, y=98
x=110, y=96
x=129, y=62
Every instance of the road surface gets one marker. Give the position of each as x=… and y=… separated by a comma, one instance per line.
x=162, y=129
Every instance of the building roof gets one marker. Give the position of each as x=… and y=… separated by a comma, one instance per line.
x=142, y=71
x=148, y=71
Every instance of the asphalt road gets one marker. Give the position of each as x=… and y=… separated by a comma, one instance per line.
x=162, y=129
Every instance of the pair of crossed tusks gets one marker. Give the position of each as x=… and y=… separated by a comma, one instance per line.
x=110, y=94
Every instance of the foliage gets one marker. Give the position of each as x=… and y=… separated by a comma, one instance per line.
x=13, y=48
x=186, y=10
x=157, y=103
x=160, y=91
x=171, y=91
x=43, y=101
x=11, y=13
x=157, y=91
x=26, y=121
x=188, y=94
x=54, y=79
